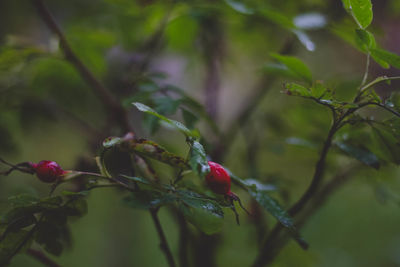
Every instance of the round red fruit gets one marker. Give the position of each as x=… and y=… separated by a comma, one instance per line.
x=218, y=179
x=48, y=171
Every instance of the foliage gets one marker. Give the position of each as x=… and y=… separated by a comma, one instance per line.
x=102, y=80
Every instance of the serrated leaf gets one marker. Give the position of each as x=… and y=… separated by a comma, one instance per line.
x=297, y=90
x=386, y=56
x=198, y=159
x=176, y=124
x=147, y=199
x=299, y=69
x=273, y=207
x=359, y=153
x=205, y=214
x=361, y=10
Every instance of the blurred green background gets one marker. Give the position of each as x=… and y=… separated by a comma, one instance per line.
x=43, y=102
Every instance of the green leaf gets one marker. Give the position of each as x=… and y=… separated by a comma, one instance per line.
x=297, y=90
x=277, y=17
x=385, y=145
x=205, y=214
x=304, y=39
x=386, y=56
x=136, y=179
x=189, y=118
x=76, y=207
x=176, y=124
x=360, y=153
x=297, y=141
x=299, y=69
x=52, y=234
x=361, y=10
x=153, y=150
x=273, y=207
x=310, y=21
x=112, y=141
x=11, y=243
x=365, y=40
x=147, y=199
x=198, y=159
x=239, y=7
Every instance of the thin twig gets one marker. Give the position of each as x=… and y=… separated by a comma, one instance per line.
x=42, y=257
x=365, y=77
x=266, y=252
x=278, y=239
x=109, y=101
x=163, y=240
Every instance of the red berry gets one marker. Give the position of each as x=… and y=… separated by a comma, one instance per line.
x=48, y=171
x=218, y=179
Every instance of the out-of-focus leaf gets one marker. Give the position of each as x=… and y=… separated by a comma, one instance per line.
x=257, y=185
x=52, y=234
x=11, y=243
x=310, y=21
x=77, y=207
x=277, y=18
x=300, y=142
x=147, y=199
x=365, y=40
x=361, y=154
x=239, y=7
x=176, y=124
x=385, y=145
x=295, y=65
x=198, y=159
x=273, y=207
x=361, y=10
x=205, y=214
x=189, y=118
x=386, y=56
x=304, y=39
x=136, y=179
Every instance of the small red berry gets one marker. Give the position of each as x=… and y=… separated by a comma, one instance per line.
x=218, y=179
x=48, y=171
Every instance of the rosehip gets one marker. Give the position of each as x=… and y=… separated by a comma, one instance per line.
x=218, y=179
x=219, y=182
x=48, y=171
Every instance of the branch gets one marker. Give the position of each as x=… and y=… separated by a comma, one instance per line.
x=385, y=108
x=266, y=252
x=163, y=241
x=42, y=257
x=109, y=101
x=277, y=239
